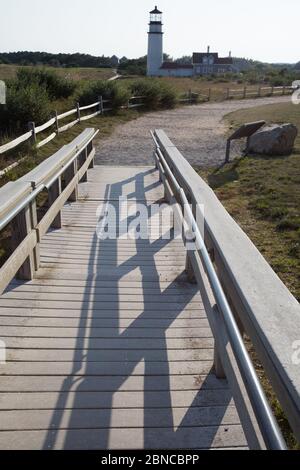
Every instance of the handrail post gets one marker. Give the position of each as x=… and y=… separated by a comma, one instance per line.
x=81, y=160
x=69, y=175
x=21, y=226
x=53, y=193
x=31, y=127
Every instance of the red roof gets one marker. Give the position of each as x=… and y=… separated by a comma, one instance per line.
x=175, y=65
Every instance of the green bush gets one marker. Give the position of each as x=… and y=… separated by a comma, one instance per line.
x=56, y=87
x=117, y=94
x=168, y=96
x=24, y=104
x=156, y=94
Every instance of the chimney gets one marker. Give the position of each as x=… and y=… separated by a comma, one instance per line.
x=208, y=49
x=229, y=53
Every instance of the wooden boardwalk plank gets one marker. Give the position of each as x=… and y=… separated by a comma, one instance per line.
x=109, y=346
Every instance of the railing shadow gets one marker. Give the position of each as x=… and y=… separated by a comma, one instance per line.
x=126, y=350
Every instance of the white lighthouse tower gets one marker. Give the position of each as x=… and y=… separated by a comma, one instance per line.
x=155, y=43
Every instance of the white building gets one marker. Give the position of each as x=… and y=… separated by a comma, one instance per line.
x=203, y=63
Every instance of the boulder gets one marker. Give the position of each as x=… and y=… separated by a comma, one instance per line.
x=274, y=139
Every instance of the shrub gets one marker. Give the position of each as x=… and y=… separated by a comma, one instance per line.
x=168, y=96
x=156, y=94
x=56, y=87
x=118, y=95
x=24, y=104
x=149, y=89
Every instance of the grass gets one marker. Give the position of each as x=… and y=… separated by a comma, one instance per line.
x=263, y=195
x=201, y=85
x=74, y=73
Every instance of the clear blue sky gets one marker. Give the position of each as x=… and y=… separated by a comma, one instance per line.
x=266, y=30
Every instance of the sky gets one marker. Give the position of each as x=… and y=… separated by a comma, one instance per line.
x=266, y=30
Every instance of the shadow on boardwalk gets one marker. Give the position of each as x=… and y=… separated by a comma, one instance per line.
x=127, y=358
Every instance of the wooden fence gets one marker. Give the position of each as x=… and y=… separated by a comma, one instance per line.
x=99, y=107
x=250, y=92
x=193, y=98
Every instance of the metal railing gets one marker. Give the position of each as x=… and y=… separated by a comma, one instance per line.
x=267, y=423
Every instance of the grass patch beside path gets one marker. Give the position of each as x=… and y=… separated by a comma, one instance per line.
x=263, y=195
x=75, y=73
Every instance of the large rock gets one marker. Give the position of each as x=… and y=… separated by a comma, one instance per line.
x=275, y=139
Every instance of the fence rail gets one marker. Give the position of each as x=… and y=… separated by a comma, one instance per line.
x=35, y=130
x=262, y=306
x=247, y=92
x=133, y=102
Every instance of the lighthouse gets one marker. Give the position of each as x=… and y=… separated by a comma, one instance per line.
x=155, y=43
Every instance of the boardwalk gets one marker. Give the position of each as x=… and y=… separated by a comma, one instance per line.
x=109, y=346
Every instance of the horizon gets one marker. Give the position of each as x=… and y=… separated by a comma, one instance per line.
x=76, y=33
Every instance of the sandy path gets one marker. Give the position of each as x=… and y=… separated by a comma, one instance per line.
x=198, y=132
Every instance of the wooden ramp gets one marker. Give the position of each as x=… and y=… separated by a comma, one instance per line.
x=109, y=346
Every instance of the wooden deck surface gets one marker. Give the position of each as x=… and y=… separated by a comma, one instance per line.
x=109, y=346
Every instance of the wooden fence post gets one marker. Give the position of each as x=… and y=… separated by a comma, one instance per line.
x=31, y=127
x=100, y=99
x=78, y=111
x=227, y=156
x=209, y=94
x=22, y=225
x=69, y=175
x=259, y=92
x=218, y=367
x=283, y=90
x=53, y=194
x=272, y=90
x=245, y=92
x=228, y=94
x=56, y=123
x=81, y=160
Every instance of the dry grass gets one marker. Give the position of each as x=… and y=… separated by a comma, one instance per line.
x=74, y=73
x=201, y=85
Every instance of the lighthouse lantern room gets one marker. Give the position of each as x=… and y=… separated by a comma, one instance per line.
x=155, y=43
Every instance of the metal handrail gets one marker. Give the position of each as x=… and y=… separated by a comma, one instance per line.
x=36, y=191
x=263, y=413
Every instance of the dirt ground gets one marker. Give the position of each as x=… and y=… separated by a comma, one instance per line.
x=198, y=132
